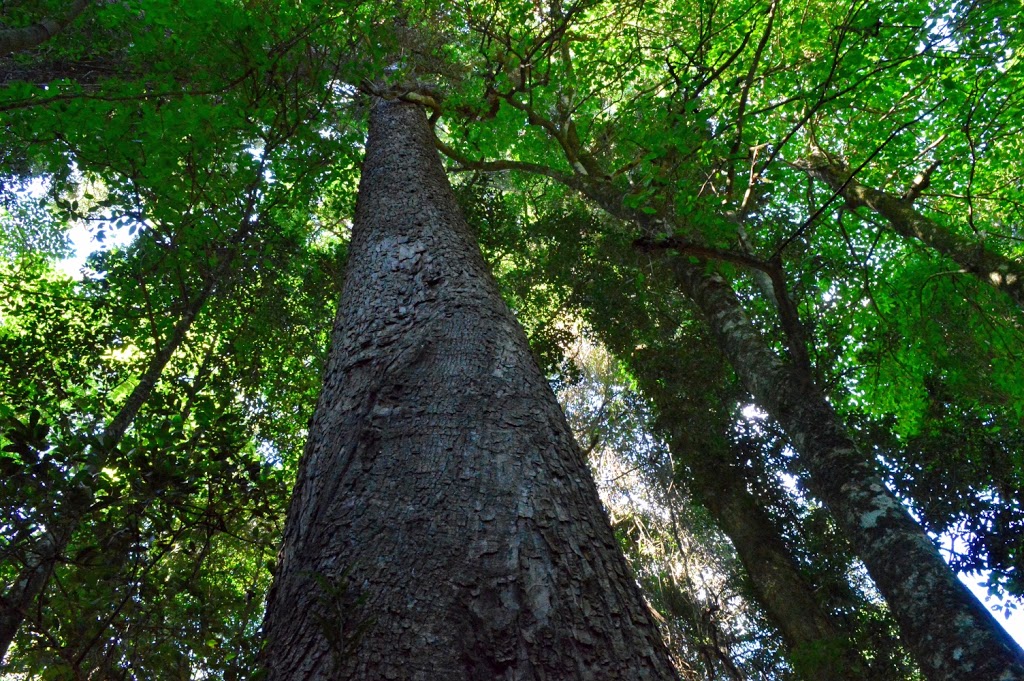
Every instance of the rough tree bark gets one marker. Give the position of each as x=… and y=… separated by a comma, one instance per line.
x=950, y=634
x=444, y=524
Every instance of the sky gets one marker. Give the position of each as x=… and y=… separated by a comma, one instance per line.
x=1014, y=625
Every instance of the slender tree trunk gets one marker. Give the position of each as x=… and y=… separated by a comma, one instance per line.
x=17, y=39
x=444, y=524
x=818, y=645
x=697, y=429
x=973, y=255
x=951, y=635
x=72, y=508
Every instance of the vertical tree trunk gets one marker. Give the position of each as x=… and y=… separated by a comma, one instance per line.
x=444, y=524
x=951, y=635
x=820, y=645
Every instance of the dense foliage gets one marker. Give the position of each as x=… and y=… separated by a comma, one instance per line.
x=848, y=168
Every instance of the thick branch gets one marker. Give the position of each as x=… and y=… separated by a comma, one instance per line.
x=987, y=265
x=466, y=163
x=18, y=39
x=690, y=248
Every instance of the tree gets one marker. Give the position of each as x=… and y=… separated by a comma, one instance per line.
x=898, y=554
x=713, y=461
x=71, y=507
x=438, y=445
x=694, y=133
x=118, y=456
x=580, y=269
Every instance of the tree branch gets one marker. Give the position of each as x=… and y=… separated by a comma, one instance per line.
x=972, y=255
x=690, y=248
x=27, y=37
x=466, y=163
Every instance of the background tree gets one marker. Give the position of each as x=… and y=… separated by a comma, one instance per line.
x=186, y=491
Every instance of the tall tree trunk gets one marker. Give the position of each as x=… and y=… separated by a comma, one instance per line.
x=444, y=524
x=973, y=255
x=951, y=635
x=820, y=646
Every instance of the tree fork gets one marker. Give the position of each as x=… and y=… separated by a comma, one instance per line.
x=444, y=523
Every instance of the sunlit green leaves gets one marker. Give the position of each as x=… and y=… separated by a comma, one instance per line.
x=221, y=140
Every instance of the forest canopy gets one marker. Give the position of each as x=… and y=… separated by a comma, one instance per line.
x=768, y=255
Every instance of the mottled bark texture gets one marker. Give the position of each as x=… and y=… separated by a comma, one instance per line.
x=973, y=255
x=950, y=634
x=444, y=524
